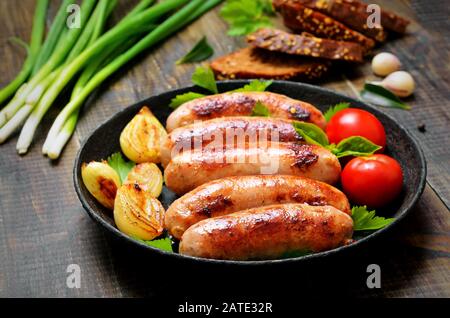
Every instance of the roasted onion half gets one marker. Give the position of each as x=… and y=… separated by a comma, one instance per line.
x=148, y=177
x=102, y=182
x=141, y=139
x=137, y=213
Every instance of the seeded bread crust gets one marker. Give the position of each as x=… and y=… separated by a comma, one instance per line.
x=299, y=18
x=255, y=63
x=351, y=13
x=280, y=41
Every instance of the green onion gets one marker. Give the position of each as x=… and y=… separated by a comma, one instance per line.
x=121, y=31
x=53, y=36
x=105, y=57
x=37, y=35
x=141, y=6
x=69, y=126
x=84, y=53
x=88, y=31
x=69, y=38
x=190, y=12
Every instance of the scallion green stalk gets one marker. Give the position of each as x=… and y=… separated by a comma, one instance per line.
x=37, y=35
x=190, y=12
x=53, y=36
x=90, y=70
x=141, y=6
x=121, y=31
x=56, y=59
x=88, y=30
x=68, y=129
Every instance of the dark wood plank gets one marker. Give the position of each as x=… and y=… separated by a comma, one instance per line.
x=43, y=228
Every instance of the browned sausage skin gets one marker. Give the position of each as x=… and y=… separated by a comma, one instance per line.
x=268, y=232
x=227, y=130
x=242, y=104
x=191, y=169
x=232, y=194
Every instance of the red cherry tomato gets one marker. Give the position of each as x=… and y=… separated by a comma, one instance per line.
x=373, y=181
x=355, y=122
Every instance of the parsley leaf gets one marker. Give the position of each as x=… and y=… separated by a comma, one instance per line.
x=365, y=220
x=164, y=244
x=246, y=16
x=200, y=52
x=334, y=109
x=183, y=98
x=204, y=77
x=122, y=167
x=354, y=146
x=260, y=110
x=254, y=86
x=311, y=133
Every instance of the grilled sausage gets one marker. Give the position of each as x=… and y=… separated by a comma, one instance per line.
x=233, y=194
x=268, y=232
x=191, y=169
x=242, y=104
x=227, y=130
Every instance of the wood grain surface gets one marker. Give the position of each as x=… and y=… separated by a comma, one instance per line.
x=43, y=228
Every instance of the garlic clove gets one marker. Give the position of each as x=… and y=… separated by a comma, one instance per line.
x=385, y=63
x=400, y=83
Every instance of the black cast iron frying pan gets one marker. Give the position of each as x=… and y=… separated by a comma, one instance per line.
x=400, y=144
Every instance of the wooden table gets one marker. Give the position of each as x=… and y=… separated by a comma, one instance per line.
x=43, y=228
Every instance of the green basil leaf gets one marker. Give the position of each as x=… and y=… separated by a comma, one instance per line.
x=260, y=110
x=184, y=98
x=379, y=95
x=311, y=133
x=334, y=109
x=200, y=52
x=254, y=86
x=365, y=220
x=204, y=77
x=354, y=146
x=122, y=167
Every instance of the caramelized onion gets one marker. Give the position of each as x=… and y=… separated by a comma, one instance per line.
x=137, y=213
x=142, y=137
